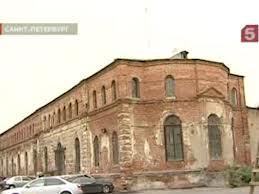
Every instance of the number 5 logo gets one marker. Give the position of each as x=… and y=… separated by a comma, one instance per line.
x=249, y=33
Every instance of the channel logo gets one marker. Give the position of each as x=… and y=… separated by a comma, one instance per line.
x=249, y=33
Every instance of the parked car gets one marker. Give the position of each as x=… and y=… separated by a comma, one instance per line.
x=2, y=182
x=90, y=184
x=47, y=185
x=16, y=181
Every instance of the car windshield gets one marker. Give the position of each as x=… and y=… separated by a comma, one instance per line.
x=80, y=179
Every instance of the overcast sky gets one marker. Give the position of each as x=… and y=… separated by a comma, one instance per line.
x=36, y=69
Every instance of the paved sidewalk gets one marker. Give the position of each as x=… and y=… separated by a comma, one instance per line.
x=243, y=190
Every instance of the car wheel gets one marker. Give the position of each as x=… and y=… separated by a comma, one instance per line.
x=65, y=192
x=11, y=187
x=106, y=189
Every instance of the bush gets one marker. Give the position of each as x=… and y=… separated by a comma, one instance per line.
x=238, y=175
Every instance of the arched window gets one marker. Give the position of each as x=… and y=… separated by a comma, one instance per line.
x=50, y=124
x=113, y=90
x=2, y=167
x=135, y=88
x=214, y=137
x=26, y=162
x=60, y=159
x=233, y=138
x=94, y=99
x=13, y=168
x=6, y=166
x=70, y=111
x=103, y=95
x=234, y=97
x=173, y=138
x=35, y=161
x=115, y=148
x=169, y=86
x=19, y=164
x=53, y=118
x=59, y=116
x=64, y=114
x=96, y=151
x=78, y=157
x=46, y=159
x=76, y=108
x=44, y=122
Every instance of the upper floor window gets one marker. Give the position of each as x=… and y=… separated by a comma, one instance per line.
x=53, y=118
x=94, y=99
x=59, y=116
x=50, y=124
x=169, y=86
x=44, y=122
x=103, y=95
x=233, y=97
x=70, y=111
x=76, y=107
x=64, y=114
x=135, y=88
x=113, y=86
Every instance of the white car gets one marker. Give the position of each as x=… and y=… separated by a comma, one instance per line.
x=47, y=185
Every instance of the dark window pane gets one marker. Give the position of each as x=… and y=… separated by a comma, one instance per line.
x=215, y=148
x=115, y=148
x=53, y=181
x=77, y=153
x=169, y=86
x=96, y=151
x=173, y=138
x=135, y=88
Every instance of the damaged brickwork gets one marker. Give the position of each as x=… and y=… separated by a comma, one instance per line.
x=142, y=124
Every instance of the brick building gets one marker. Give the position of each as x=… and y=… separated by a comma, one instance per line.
x=142, y=123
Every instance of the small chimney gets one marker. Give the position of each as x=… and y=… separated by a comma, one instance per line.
x=180, y=55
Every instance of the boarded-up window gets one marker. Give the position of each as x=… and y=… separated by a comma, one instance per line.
x=135, y=88
x=60, y=159
x=35, y=161
x=19, y=164
x=94, y=99
x=233, y=137
x=13, y=168
x=77, y=156
x=70, y=111
x=169, y=86
x=2, y=167
x=103, y=95
x=6, y=166
x=113, y=90
x=115, y=148
x=214, y=137
x=46, y=159
x=64, y=114
x=234, y=97
x=59, y=116
x=76, y=108
x=96, y=151
x=26, y=162
x=173, y=138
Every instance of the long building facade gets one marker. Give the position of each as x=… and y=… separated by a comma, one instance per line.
x=141, y=123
